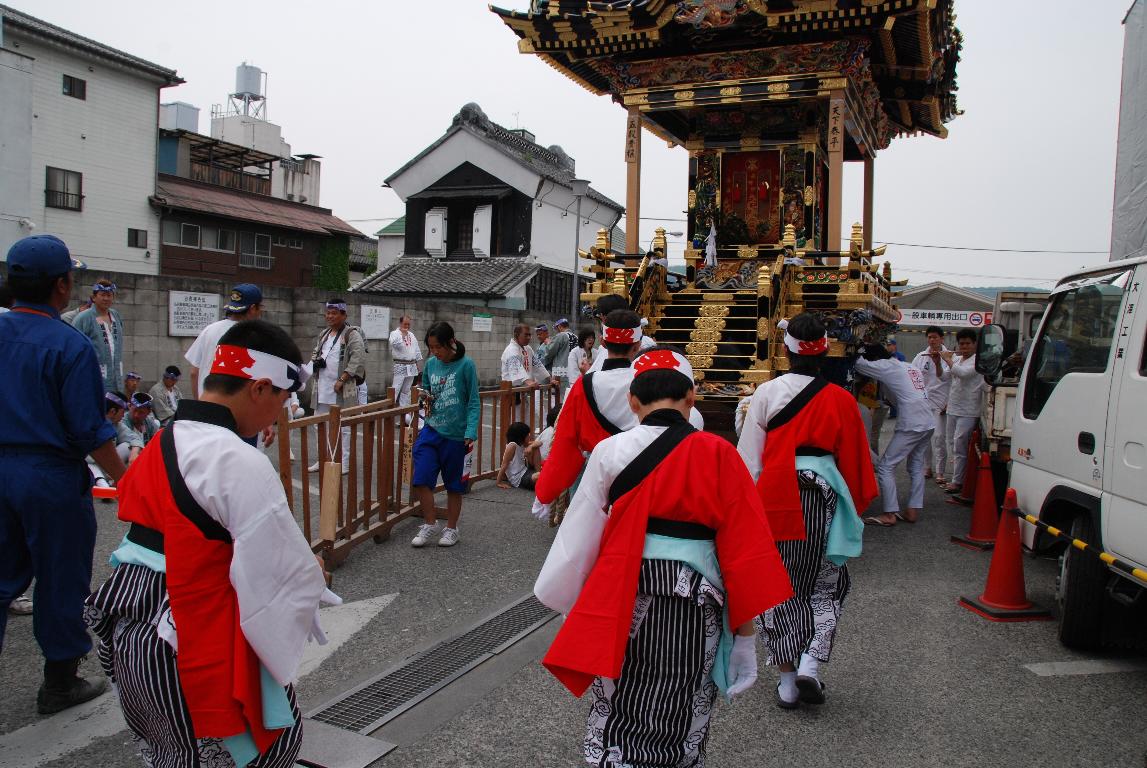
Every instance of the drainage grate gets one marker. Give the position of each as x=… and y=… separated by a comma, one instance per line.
x=368, y=707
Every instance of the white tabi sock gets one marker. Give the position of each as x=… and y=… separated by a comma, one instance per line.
x=808, y=666
x=788, y=686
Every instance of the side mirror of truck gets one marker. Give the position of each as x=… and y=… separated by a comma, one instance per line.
x=990, y=350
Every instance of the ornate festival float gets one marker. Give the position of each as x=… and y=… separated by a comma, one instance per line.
x=770, y=98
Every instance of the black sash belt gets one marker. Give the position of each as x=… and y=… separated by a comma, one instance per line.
x=679, y=529
x=805, y=450
x=148, y=538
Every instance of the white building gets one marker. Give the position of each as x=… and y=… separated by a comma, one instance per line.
x=78, y=143
x=491, y=216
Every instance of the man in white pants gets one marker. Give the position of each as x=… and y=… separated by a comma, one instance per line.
x=406, y=354
x=905, y=386
x=963, y=405
x=937, y=379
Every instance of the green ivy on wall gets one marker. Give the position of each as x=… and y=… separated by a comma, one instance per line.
x=333, y=264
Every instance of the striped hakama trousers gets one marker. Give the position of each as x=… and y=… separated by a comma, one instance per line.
x=806, y=622
x=125, y=614
x=656, y=714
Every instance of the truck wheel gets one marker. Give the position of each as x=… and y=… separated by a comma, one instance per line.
x=1080, y=591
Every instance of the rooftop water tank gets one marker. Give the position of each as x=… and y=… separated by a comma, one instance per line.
x=248, y=80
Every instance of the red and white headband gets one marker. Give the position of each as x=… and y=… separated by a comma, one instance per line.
x=663, y=360
x=799, y=347
x=620, y=335
x=245, y=363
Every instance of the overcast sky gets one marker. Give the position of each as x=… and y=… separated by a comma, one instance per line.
x=1030, y=166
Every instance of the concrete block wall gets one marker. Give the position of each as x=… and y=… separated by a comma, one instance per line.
x=142, y=302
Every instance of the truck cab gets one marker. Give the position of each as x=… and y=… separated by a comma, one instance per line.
x=1016, y=316
x=1078, y=440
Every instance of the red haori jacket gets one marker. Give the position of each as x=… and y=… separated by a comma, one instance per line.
x=578, y=430
x=592, y=640
x=219, y=673
x=830, y=422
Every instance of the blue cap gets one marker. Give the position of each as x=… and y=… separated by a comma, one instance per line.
x=543, y=327
x=41, y=256
x=243, y=297
x=562, y=321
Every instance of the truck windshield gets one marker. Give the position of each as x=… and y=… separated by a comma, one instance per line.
x=1076, y=337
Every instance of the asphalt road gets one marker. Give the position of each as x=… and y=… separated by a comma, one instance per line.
x=915, y=679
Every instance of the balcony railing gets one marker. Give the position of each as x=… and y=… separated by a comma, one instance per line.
x=225, y=177
x=67, y=200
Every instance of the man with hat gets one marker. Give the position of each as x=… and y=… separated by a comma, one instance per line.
x=338, y=360
x=246, y=303
x=139, y=426
x=165, y=395
x=53, y=417
x=130, y=383
x=104, y=328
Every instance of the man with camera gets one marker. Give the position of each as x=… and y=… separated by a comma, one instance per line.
x=338, y=362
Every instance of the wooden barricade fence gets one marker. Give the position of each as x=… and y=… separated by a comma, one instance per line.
x=377, y=493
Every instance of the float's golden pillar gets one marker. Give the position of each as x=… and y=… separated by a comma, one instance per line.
x=633, y=181
x=869, y=173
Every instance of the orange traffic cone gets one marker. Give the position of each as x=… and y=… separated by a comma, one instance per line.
x=971, y=473
x=983, y=532
x=1004, y=597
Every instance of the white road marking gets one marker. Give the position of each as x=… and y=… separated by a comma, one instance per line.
x=75, y=728
x=1086, y=667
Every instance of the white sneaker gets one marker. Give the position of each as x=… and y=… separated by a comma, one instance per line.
x=314, y=467
x=449, y=537
x=426, y=531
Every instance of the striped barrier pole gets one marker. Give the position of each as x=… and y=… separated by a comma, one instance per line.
x=1120, y=565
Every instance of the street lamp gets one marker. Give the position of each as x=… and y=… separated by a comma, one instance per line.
x=579, y=187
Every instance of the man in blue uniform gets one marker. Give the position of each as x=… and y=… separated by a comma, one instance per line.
x=53, y=416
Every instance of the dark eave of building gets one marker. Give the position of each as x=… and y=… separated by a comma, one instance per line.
x=50, y=32
x=179, y=194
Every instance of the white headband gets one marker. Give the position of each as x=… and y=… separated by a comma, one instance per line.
x=799, y=347
x=620, y=335
x=244, y=363
x=663, y=360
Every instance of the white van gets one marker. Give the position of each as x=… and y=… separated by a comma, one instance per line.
x=1079, y=460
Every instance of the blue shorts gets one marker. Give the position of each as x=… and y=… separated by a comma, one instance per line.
x=433, y=455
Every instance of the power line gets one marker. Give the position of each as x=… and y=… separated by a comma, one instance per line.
x=984, y=277
x=986, y=250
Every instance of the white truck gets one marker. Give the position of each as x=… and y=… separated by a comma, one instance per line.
x=1079, y=460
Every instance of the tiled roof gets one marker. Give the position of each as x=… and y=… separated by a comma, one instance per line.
x=32, y=25
x=394, y=228
x=548, y=162
x=185, y=195
x=488, y=278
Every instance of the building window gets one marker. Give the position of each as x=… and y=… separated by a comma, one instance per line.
x=280, y=241
x=466, y=232
x=137, y=238
x=255, y=251
x=177, y=233
x=215, y=239
x=64, y=189
x=295, y=242
x=75, y=87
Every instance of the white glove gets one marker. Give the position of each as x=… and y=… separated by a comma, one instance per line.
x=539, y=510
x=742, y=664
x=327, y=598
